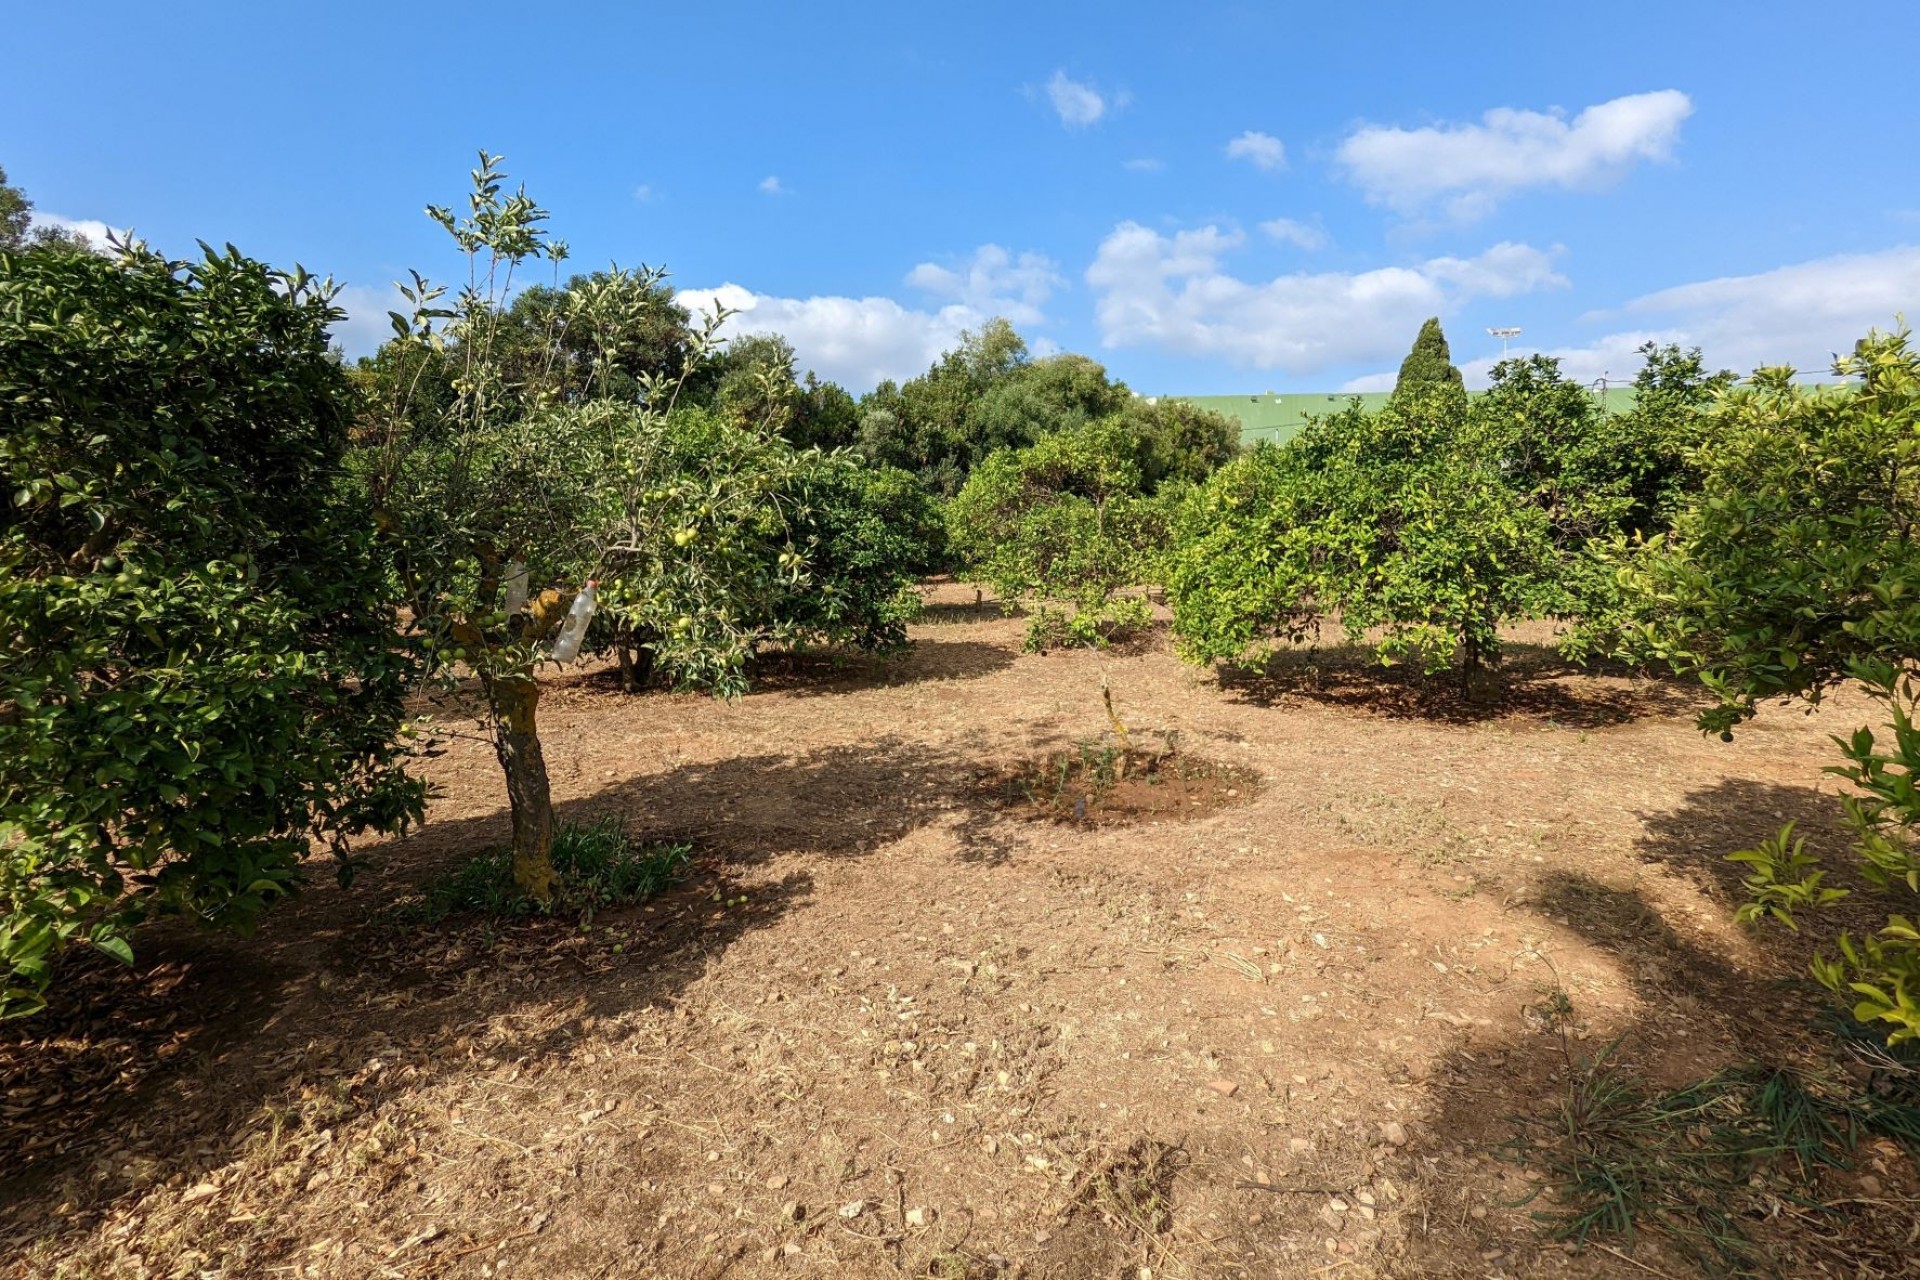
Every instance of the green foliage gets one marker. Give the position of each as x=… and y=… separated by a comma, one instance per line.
x=728, y=539
x=200, y=678
x=1070, y=518
x=866, y=534
x=1785, y=879
x=1797, y=559
x=16, y=214
x=1795, y=569
x=1437, y=520
x=19, y=235
x=554, y=472
x=599, y=865
x=1428, y=369
x=1401, y=522
x=1092, y=624
x=987, y=395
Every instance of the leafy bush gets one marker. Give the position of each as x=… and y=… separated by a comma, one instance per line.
x=1437, y=520
x=1392, y=521
x=739, y=540
x=599, y=867
x=986, y=395
x=1092, y=625
x=200, y=677
x=1067, y=520
x=1794, y=570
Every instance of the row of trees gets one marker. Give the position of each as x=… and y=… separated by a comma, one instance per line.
x=226, y=559
x=1432, y=523
x=1759, y=537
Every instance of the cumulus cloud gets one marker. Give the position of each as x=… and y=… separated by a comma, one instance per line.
x=1261, y=150
x=1468, y=168
x=1798, y=315
x=1300, y=235
x=771, y=185
x=643, y=193
x=1143, y=164
x=854, y=341
x=92, y=230
x=858, y=342
x=993, y=282
x=1076, y=103
x=1170, y=292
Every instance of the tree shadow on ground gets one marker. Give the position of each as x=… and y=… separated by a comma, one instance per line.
x=947, y=613
x=166, y=1072
x=822, y=671
x=1694, y=1014
x=1694, y=839
x=132, y=1077
x=842, y=800
x=1533, y=680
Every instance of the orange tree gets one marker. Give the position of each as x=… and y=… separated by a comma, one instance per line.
x=707, y=535
x=199, y=676
x=1795, y=569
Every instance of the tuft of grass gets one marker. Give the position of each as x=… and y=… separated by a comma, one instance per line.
x=1697, y=1163
x=599, y=865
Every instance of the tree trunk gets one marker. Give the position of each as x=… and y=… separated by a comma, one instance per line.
x=517, y=743
x=636, y=663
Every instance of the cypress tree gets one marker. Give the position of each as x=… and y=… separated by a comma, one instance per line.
x=1429, y=364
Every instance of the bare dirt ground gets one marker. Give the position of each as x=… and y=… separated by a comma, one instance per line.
x=897, y=1026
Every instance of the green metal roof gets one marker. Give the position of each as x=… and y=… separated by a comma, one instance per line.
x=1278, y=418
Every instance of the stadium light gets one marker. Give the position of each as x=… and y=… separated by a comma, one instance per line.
x=1505, y=335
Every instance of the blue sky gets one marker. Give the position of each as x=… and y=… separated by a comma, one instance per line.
x=1208, y=198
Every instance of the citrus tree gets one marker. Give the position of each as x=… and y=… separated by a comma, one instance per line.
x=1072, y=521
x=199, y=676
x=1399, y=524
x=1794, y=570
x=564, y=482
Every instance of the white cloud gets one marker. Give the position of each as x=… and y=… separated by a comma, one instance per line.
x=993, y=282
x=854, y=341
x=857, y=342
x=1169, y=292
x=1261, y=150
x=771, y=185
x=1077, y=104
x=1468, y=168
x=92, y=230
x=1798, y=315
x=1300, y=235
x=1371, y=382
x=643, y=193
x=1144, y=164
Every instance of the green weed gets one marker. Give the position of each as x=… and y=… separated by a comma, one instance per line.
x=599, y=866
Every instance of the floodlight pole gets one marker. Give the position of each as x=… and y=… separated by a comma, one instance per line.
x=1505, y=334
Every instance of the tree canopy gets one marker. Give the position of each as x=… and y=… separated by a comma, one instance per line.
x=1429, y=365
x=1796, y=567
x=200, y=678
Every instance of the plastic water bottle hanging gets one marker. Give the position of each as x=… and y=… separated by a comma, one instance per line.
x=574, y=629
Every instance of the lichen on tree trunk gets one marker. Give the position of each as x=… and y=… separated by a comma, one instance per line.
x=517, y=743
